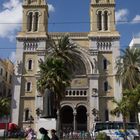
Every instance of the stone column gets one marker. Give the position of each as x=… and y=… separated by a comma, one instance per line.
x=58, y=123
x=74, y=120
x=88, y=128
x=102, y=21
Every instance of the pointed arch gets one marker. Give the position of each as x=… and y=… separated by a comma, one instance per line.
x=106, y=86
x=99, y=20
x=105, y=20
x=36, y=21
x=30, y=64
x=29, y=21
x=26, y=114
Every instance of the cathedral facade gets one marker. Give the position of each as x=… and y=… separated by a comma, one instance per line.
x=89, y=98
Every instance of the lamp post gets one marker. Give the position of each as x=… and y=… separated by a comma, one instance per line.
x=95, y=113
x=31, y=119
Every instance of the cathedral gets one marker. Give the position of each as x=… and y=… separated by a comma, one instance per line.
x=89, y=98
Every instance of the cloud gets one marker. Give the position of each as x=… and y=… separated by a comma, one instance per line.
x=11, y=18
x=12, y=57
x=121, y=15
x=136, y=19
x=51, y=8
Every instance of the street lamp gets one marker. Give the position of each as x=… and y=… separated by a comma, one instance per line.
x=95, y=113
x=31, y=119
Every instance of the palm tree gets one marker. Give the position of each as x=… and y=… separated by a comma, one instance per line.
x=56, y=71
x=122, y=107
x=63, y=48
x=133, y=97
x=4, y=106
x=128, y=71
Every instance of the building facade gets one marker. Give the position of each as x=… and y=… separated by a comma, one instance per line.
x=135, y=43
x=90, y=95
x=6, y=76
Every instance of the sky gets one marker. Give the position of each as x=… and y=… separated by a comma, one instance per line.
x=66, y=16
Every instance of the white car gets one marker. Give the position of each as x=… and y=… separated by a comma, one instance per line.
x=2, y=132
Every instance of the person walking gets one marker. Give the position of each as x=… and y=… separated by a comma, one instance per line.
x=44, y=133
x=54, y=136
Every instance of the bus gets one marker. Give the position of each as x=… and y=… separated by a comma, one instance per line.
x=115, y=131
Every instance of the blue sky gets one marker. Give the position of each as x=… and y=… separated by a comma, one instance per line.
x=65, y=11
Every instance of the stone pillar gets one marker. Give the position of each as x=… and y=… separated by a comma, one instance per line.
x=58, y=123
x=102, y=21
x=88, y=128
x=74, y=120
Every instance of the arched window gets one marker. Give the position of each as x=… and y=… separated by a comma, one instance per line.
x=105, y=64
x=106, y=115
x=99, y=20
x=108, y=1
x=36, y=18
x=29, y=21
x=105, y=20
x=26, y=114
x=97, y=1
x=28, y=87
x=30, y=64
x=105, y=86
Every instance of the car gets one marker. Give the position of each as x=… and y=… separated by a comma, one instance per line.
x=2, y=132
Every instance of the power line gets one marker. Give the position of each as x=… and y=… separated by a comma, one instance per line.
x=77, y=22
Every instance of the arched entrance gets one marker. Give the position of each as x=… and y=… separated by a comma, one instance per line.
x=81, y=118
x=66, y=118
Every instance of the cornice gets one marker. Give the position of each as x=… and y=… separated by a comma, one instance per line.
x=35, y=6
x=70, y=34
x=104, y=5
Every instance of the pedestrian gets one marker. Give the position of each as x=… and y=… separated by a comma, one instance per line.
x=54, y=136
x=44, y=133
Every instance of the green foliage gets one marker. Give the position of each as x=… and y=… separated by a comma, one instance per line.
x=55, y=71
x=4, y=106
x=122, y=107
x=101, y=136
x=133, y=98
x=128, y=68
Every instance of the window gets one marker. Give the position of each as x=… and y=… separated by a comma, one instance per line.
x=29, y=1
x=108, y=1
x=36, y=17
x=1, y=71
x=105, y=64
x=106, y=86
x=10, y=79
x=106, y=115
x=9, y=93
x=28, y=86
x=26, y=114
x=29, y=21
x=97, y=1
x=30, y=63
x=6, y=75
x=105, y=20
x=99, y=20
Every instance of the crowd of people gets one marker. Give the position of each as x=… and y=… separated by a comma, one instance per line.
x=28, y=133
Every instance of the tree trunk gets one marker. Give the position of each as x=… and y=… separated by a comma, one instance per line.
x=58, y=129
x=124, y=127
x=137, y=122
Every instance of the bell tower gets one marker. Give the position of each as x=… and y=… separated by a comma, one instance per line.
x=104, y=48
x=102, y=16
x=35, y=17
x=31, y=47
